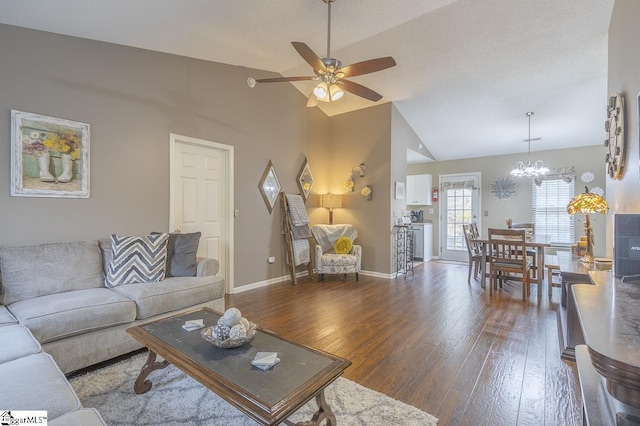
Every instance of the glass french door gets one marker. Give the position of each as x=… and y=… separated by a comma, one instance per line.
x=460, y=205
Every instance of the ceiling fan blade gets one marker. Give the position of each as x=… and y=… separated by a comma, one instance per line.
x=360, y=90
x=309, y=55
x=366, y=67
x=283, y=79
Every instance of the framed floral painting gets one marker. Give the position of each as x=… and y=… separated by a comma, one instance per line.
x=49, y=156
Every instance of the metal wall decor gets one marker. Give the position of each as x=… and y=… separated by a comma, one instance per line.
x=615, y=143
x=587, y=177
x=503, y=189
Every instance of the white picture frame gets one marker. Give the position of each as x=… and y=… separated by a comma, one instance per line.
x=49, y=156
x=399, y=191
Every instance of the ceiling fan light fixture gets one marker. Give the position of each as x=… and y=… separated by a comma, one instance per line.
x=330, y=72
x=321, y=91
x=335, y=92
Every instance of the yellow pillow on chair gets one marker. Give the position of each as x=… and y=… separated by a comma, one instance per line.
x=343, y=246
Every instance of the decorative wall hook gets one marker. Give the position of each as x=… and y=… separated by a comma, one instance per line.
x=361, y=169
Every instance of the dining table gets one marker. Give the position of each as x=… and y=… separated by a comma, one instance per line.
x=535, y=241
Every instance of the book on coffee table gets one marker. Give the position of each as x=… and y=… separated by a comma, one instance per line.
x=193, y=325
x=265, y=360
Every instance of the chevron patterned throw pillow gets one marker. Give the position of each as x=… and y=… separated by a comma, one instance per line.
x=137, y=259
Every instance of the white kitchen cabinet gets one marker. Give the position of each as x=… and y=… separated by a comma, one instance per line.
x=418, y=190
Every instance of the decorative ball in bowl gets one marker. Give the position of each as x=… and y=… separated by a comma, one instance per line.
x=231, y=331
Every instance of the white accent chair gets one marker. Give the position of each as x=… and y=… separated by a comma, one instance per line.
x=328, y=262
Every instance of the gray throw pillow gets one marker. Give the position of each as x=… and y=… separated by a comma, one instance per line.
x=181, y=251
x=137, y=259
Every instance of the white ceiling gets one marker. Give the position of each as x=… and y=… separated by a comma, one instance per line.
x=467, y=71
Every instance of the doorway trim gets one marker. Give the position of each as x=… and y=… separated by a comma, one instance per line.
x=229, y=232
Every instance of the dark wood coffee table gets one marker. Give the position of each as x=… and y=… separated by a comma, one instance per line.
x=268, y=397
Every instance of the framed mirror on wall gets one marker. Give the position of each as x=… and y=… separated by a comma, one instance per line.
x=305, y=180
x=269, y=186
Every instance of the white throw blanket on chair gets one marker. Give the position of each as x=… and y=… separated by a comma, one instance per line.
x=327, y=235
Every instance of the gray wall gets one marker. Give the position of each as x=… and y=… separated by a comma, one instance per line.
x=363, y=137
x=624, y=65
x=402, y=137
x=133, y=99
x=519, y=208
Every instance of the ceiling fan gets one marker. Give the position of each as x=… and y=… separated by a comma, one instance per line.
x=332, y=74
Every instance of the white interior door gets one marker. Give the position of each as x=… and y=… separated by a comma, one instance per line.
x=460, y=204
x=201, y=197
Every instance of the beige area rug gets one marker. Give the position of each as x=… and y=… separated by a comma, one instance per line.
x=177, y=399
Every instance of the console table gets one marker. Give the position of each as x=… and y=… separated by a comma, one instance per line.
x=572, y=272
x=609, y=362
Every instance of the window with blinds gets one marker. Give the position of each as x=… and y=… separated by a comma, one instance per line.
x=549, y=210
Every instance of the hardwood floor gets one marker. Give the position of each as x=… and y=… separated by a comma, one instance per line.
x=433, y=341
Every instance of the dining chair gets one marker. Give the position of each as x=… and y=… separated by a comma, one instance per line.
x=474, y=229
x=474, y=250
x=529, y=228
x=551, y=264
x=508, y=246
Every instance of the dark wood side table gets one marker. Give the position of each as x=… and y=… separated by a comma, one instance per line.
x=572, y=272
x=610, y=318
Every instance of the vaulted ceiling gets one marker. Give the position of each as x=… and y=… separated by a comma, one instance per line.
x=467, y=71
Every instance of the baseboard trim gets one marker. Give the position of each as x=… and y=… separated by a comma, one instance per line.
x=283, y=278
x=377, y=274
x=268, y=282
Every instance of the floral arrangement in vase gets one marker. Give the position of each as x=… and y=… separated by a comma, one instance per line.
x=65, y=143
x=32, y=143
x=69, y=147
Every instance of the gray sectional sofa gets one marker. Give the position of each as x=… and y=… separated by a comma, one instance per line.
x=33, y=381
x=58, y=316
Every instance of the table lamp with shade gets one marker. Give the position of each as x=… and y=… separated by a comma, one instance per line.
x=331, y=201
x=588, y=203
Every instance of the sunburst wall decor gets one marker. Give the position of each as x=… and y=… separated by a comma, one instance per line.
x=503, y=189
